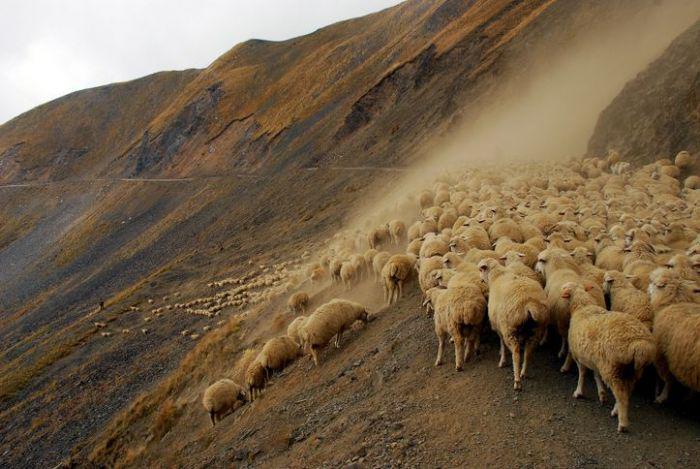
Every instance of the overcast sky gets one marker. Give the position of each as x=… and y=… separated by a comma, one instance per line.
x=49, y=48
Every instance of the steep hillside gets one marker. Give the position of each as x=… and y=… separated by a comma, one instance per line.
x=138, y=191
x=658, y=113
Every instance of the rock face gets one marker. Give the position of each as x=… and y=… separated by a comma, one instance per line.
x=658, y=113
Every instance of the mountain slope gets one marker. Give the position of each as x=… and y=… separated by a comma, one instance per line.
x=658, y=113
x=192, y=176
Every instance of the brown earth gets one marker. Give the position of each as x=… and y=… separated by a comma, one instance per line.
x=138, y=190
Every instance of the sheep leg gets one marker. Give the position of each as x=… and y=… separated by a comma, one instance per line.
x=665, y=375
x=566, y=367
x=502, y=361
x=441, y=344
x=581, y=380
x=562, y=350
x=459, y=351
x=212, y=416
x=515, y=351
x=314, y=355
x=337, y=339
x=621, y=391
x=544, y=336
x=601, y=387
x=400, y=290
x=529, y=348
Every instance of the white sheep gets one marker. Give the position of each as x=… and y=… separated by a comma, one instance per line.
x=294, y=328
x=626, y=298
x=222, y=398
x=298, y=303
x=397, y=271
x=676, y=330
x=327, y=321
x=517, y=311
x=615, y=345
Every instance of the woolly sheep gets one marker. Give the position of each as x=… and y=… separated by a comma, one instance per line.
x=221, y=398
x=459, y=312
x=625, y=297
x=395, y=273
x=277, y=353
x=327, y=321
x=615, y=345
x=683, y=160
x=433, y=246
x=298, y=302
x=348, y=274
x=294, y=327
x=676, y=330
x=378, y=236
x=517, y=311
x=692, y=182
x=397, y=231
x=255, y=376
x=378, y=263
x=425, y=269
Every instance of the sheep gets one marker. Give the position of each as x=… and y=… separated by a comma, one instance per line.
x=378, y=236
x=623, y=296
x=397, y=231
x=514, y=263
x=425, y=269
x=684, y=266
x=692, y=182
x=676, y=330
x=395, y=273
x=584, y=259
x=433, y=246
x=255, y=376
x=348, y=274
x=294, y=327
x=378, y=263
x=683, y=160
x=329, y=320
x=425, y=199
x=221, y=398
x=615, y=345
x=517, y=311
x=414, y=247
x=277, y=353
x=334, y=267
x=505, y=227
x=459, y=312
x=298, y=303
x=610, y=258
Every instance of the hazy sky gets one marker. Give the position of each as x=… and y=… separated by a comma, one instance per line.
x=51, y=47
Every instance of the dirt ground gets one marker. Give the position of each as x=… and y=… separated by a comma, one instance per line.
x=379, y=401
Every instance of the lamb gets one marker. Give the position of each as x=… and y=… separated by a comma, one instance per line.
x=397, y=231
x=294, y=328
x=459, y=312
x=395, y=273
x=329, y=320
x=621, y=295
x=676, y=330
x=221, y=398
x=615, y=345
x=298, y=303
x=517, y=311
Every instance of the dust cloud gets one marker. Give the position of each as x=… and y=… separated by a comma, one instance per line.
x=548, y=112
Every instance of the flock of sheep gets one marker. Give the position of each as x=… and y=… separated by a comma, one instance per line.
x=602, y=257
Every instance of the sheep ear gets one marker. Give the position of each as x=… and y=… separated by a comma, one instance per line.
x=630, y=277
x=502, y=258
x=588, y=287
x=520, y=254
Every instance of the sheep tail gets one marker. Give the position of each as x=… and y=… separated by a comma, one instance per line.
x=643, y=353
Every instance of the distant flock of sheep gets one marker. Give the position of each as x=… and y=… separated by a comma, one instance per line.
x=602, y=255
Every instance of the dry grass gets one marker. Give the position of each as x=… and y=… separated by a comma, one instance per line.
x=121, y=443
